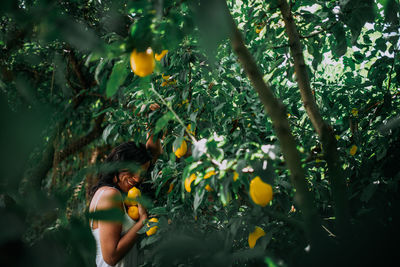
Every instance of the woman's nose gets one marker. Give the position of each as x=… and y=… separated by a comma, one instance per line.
x=136, y=179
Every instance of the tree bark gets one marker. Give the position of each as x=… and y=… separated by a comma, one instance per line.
x=83, y=141
x=277, y=111
x=324, y=131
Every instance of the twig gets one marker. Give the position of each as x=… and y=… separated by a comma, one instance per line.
x=391, y=71
x=318, y=32
x=52, y=79
x=329, y=232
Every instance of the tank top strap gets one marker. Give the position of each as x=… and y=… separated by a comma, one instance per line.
x=95, y=206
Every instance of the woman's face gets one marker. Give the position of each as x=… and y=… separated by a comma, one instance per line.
x=126, y=180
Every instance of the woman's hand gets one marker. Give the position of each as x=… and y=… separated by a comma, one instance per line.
x=142, y=213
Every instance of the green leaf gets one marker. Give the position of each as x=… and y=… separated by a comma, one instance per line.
x=103, y=111
x=107, y=215
x=368, y=192
x=340, y=35
x=117, y=77
x=107, y=131
x=270, y=262
x=355, y=13
x=391, y=9
x=163, y=121
x=158, y=211
x=198, y=198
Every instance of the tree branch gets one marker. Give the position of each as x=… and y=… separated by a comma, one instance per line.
x=35, y=175
x=277, y=111
x=324, y=131
x=83, y=141
x=318, y=32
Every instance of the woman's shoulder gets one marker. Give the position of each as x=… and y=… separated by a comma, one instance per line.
x=110, y=197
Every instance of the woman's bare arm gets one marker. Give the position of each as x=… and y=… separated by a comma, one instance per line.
x=113, y=245
x=153, y=145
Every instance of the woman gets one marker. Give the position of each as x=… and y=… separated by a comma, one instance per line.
x=116, y=241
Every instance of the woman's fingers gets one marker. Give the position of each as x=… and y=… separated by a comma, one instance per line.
x=142, y=212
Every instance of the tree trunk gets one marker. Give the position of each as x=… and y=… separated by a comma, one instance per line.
x=277, y=111
x=324, y=131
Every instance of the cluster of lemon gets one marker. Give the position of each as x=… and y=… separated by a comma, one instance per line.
x=261, y=193
x=143, y=63
x=192, y=177
x=133, y=210
x=132, y=204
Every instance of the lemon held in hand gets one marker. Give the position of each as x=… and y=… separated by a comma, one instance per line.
x=133, y=212
x=153, y=229
x=133, y=194
x=142, y=63
x=260, y=192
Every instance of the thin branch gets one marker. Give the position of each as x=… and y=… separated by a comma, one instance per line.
x=84, y=140
x=391, y=71
x=284, y=218
x=279, y=46
x=52, y=79
x=329, y=232
x=318, y=32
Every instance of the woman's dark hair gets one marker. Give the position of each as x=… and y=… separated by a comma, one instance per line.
x=124, y=154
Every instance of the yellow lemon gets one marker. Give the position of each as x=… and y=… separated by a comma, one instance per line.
x=161, y=55
x=254, y=236
x=133, y=193
x=235, y=176
x=353, y=150
x=133, y=212
x=188, y=181
x=153, y=229
x=354, y=111
x=181, y=151
x=208, y=188
x=260, y=192
x=142, y=63
x=209, y=174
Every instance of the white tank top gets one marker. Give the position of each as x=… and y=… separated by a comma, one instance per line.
x=131, y=258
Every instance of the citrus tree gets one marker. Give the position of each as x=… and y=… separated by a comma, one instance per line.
x=278, y=120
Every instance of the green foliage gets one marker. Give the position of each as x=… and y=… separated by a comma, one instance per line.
x=65, y=65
